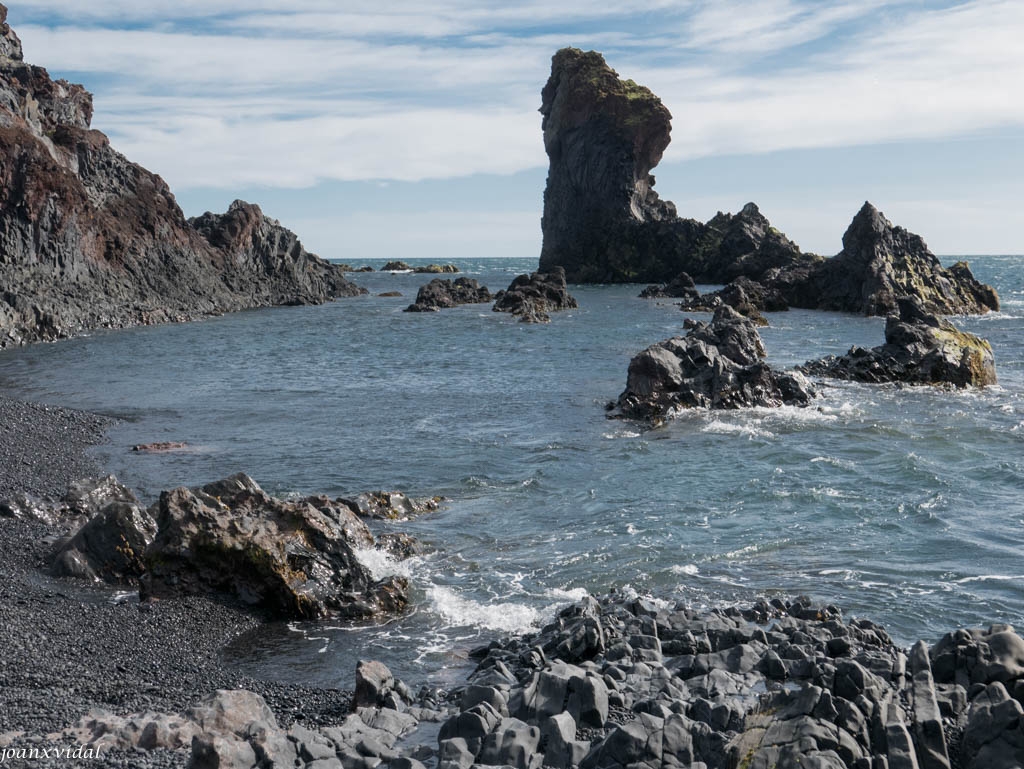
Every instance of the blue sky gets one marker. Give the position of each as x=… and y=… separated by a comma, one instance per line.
x=406, y=129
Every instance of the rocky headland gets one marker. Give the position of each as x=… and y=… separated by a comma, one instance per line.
x=604, y=223
x=90, y=240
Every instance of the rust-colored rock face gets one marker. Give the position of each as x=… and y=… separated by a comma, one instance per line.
x=91, y=240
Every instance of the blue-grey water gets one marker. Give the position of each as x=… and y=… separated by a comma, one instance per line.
x=902, y=505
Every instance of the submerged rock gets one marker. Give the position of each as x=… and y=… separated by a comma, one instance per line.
x=440, y=293
x=531, y=297
x=604, y=223
x=91, y=240
x=920, y=348
x=294, y=559
x=160, y=447
x=717, y=365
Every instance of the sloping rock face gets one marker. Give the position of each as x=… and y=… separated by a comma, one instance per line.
x=91, y=240
x=295, y=559
x=533, y=296
x=717, y=365
x=604, y=223
x=879, y=263
x=440, y=294
x=920, y=348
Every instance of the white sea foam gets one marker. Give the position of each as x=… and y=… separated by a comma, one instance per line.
x=381, y=565
x=751, y=430
x=505, y=617
x=566, y=594
x=688, y=569
x=990, y=578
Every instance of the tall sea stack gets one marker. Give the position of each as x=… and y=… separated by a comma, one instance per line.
x=604, y=223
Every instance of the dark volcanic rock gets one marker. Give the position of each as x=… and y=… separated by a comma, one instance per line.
x=109, y=546
x=296, y=559
x=680, y=287
x=880, y=263
x=717, y=365
x=533, y=296
x=747, y=297
x=441, y=293
x=436, y=269
x=396, y=266
x=920, y=348
x=90, y=240
x=604, y=223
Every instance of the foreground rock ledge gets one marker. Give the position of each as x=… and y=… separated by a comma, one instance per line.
x=604, y=223
x=717, y=365
x=633, y=683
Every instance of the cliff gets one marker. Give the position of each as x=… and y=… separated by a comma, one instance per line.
x=604, y=223
x=90, y=240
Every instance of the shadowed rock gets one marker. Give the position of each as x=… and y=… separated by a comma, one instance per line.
x=531, y=297
x=920, y=348
x=717, y=365
x=441, y=293
x=92, y=240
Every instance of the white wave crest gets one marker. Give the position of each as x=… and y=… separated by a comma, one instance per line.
x=381, y=565
x=504, y=617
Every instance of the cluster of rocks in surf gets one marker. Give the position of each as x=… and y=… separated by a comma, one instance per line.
x=920, y=348
x=717, y=365
x=91, y=240
x=604, y=223
x=288, y=558
x=530, y=297
x=430, y=269
x=629, y=682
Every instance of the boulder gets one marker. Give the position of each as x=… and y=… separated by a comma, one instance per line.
x=390, y=505
x=396, y=266
x=440, y=293
x=531, y=297
x=718, y=365
x=680, y=287
x=747, y=297
x=920, y=348
x=110, y=546
x=291, y=558
x=436, y=269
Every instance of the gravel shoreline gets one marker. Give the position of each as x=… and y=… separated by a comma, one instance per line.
x=68, y=647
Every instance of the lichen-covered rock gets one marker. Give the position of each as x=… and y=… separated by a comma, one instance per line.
x=531, y=297
x=91, y=240
x=718, y=365
x=440, y=294
x=292, y=558
x=920, y=348
x=436, y=269
x=879, y=264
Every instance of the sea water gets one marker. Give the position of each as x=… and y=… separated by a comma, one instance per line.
x=903, y=505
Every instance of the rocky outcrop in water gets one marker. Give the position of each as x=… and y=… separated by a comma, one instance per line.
x=440, y=294
x=604, y=223
x=680, y=287
x=532, y=297
x=91, y=240
x=717, y=365
x=747, y=297
x=294, y=559
x=920, y=348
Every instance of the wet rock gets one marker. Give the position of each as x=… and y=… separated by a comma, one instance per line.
x=390, y=505
x=920, y=348
x=160, y=447
x=436, y=269
x=440, y=293
x=680, y=287
x=719, y=365
x=296, y=559
x=532, y=297
x=110, y=546
x=396, y=266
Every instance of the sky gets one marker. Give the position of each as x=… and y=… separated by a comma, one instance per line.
x=410, y=129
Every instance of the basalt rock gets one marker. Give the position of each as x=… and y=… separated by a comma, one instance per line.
x=291, y=558
x=91, y=240
x=604, y=223
x=396, y=266
x=110, y=546
x=680, y=287
x=436, y=269
x=879, y=264
x=747, y=297
x=440, y=293
x=717, y=365
x=920, y=348
x=390, y=505
x=533, y=296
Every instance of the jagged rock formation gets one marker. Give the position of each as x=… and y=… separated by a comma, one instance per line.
x=603, y=222
x=294, y=559
x=441, y=293
x=681, y=286
x=920, y=348
x=747, y=297
x=717, y=365
x=90, y=240
x=531, y=297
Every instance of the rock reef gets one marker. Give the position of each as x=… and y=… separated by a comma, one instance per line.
x=91, y=240
x=717, y=365
x=441, y=294
x=604, y=223
x=532, y=297
x=920, y=348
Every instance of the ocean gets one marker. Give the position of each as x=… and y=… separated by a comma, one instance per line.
x=903, y=505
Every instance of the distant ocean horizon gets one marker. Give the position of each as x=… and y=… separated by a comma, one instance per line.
x=897, y=504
